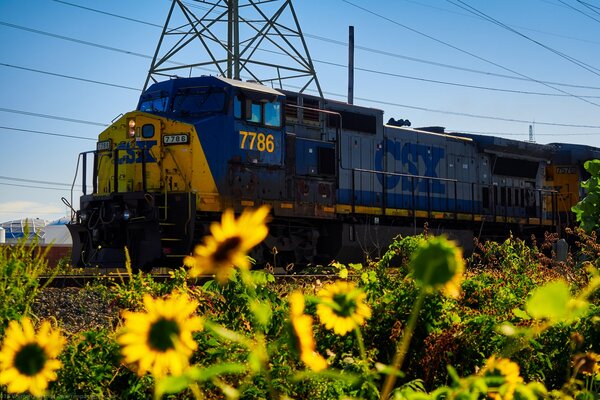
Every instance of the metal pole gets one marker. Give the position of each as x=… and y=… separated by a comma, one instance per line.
x=350, y=65
x=236, y=39
x=230, y=41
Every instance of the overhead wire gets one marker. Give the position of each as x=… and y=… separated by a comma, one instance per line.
x=466, y=51
x=67, y=119
x=10, y=128
x=146, y=56
x=467, y=7
x=10, y=178
x=579, y=11
x=69, y=77
x=363, y=48
x=34, y=187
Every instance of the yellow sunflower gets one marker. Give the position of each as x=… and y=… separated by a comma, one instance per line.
x=229, y=244
x=160, y=339
x=342, y=307
x=506, y=369
x=28, y=361
x=303, y=333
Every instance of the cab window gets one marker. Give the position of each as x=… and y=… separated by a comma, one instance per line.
x=260, y=112
x=255, y=113
x=198, y=101
x=273, y=114
x=153, y=104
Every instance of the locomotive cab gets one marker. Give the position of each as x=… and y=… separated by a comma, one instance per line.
x=156, y=169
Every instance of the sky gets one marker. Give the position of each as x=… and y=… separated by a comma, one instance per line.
x=495, y=67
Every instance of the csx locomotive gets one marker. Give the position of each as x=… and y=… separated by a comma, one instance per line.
x=341, y=183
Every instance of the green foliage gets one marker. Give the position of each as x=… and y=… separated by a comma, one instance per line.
x=91, y=367
x=21, y=265
x=587, y=210
x=515, y=304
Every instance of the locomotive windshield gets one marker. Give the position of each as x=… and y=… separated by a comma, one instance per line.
x=154, y=102
x=198, y=101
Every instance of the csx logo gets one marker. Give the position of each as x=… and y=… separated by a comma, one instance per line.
x=138, y=154
x=411, y=155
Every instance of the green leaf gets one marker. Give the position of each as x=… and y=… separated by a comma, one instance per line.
x=262, y=311
x=356, y=266
x=343, y=273
x=206, y=374
x=549, y=301
x=520, y=313
x=555, y=303
x=171, y=384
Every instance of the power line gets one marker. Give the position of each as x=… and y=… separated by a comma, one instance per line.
x=580, y=11
x=110, y=14
x=444, y=65
x=101, y=46
x=337, y=65
x=45, y=133
x=458, y=131
x=364, y=48
x=8, y=178
x=78, y=121
x=33, y=187
x=488, y=18
x=68, y=76
x=337, y=95
x=317, y=61
x=463, y=114
x=452, y=83
x=465, y=51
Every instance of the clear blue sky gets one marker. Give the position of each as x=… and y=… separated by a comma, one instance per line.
x=426, y=60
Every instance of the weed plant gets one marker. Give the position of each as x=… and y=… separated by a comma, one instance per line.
x=419, y=323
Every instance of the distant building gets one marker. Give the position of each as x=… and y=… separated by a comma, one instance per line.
x=53, y=232
x=19, y=228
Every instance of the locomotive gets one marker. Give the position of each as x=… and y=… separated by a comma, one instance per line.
x=340, y=182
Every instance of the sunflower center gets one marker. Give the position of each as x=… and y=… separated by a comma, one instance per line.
x=346, y=305
x=162, y=334
x=223, y=251
x=30, y=359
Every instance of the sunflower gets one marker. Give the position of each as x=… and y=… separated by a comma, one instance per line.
x=229, y=244
x=160, y=339
x=342, y=307
x=303, y=334
x=28, y=362
x=505, y=369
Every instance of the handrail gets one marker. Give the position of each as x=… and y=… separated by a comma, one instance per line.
x=496, y=210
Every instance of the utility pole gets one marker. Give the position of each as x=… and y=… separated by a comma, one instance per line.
x=259, y=40
x=351, y=65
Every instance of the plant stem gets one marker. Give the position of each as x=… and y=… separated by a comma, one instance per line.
x=361, y=346
x=402, y=348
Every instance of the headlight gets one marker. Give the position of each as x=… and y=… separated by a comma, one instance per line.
x=131, y=124
x=126, y=215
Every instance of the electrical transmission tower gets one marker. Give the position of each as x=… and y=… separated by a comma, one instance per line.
x=258, y=40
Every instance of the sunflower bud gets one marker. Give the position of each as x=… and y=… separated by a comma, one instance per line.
x=438, y=265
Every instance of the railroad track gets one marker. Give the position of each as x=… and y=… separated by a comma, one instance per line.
x=113, y=276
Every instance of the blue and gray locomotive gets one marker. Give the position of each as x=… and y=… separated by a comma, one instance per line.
x=341, y=183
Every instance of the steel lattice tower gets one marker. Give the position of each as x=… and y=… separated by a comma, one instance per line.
x=257, y=40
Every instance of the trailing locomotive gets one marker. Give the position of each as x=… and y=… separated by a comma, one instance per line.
x=340, y=182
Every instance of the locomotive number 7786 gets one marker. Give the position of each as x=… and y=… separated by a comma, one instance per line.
x=257, y=141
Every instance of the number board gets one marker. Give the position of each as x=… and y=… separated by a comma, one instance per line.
x=104, y=145
x=180, y=138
